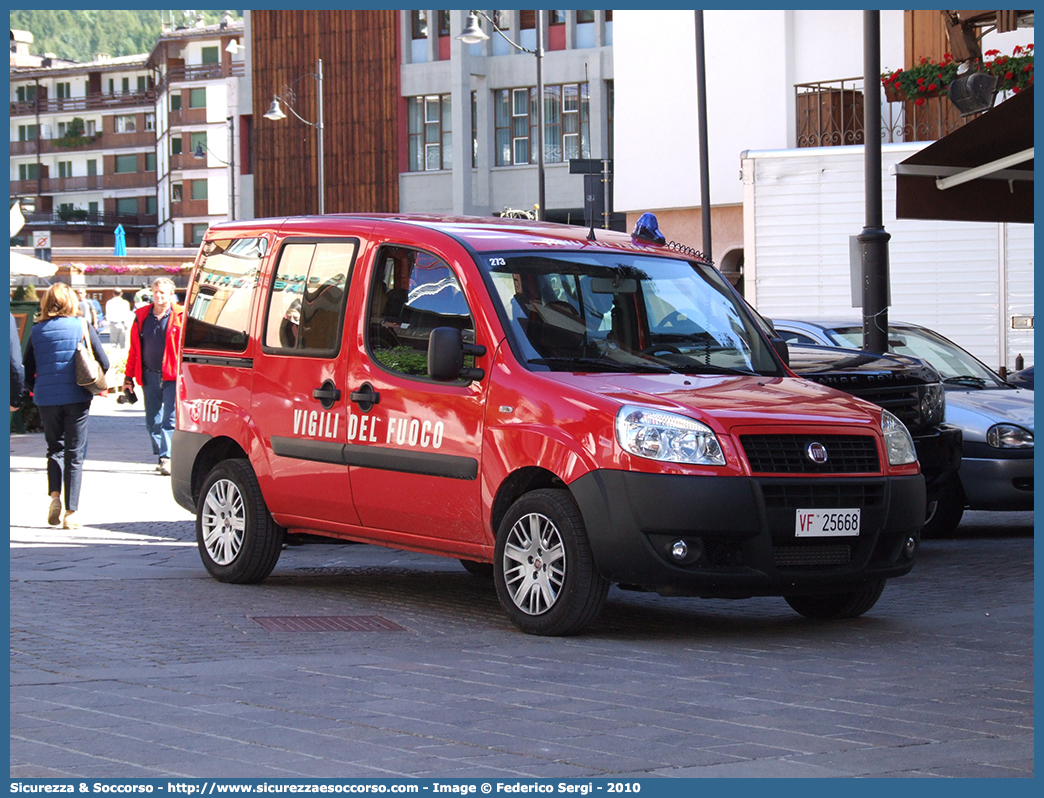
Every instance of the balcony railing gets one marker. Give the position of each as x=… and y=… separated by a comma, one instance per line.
x=106, y=141
x=830, y=114
x=91, y=102
x=81, y=218
x=187, y=74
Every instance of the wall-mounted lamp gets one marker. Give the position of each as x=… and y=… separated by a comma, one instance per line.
x=275, y=113
x=232, y=47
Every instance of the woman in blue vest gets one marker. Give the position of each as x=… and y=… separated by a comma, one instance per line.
x=50, y=373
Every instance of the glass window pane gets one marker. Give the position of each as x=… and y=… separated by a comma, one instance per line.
x=432, y=158
x=197, y=98
x=520, y=102
x=412, y=294
x=415, y=110
x=210, y=55
x=503, y=147
x=431, y=109
x=447, y=122
x=199, y=189
x=220, y=296
x=447, y=150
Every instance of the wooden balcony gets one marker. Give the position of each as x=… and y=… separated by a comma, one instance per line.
x=105, y=141
x=92, y=102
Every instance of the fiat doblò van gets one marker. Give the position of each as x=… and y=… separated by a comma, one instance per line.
x=564, y=412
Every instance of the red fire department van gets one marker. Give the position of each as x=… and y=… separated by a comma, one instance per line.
x=564, y=413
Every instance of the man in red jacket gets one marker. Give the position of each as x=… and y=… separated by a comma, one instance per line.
x=153, y=361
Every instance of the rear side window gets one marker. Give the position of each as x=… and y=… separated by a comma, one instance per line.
x=219, y=299
x=413, y=292
x=306, y=305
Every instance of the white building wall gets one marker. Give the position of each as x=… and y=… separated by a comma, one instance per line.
x=965, y=280
x=753, y=60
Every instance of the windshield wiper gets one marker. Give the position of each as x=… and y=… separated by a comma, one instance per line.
x=604, y=365
x=710, y=368
x=966, y=379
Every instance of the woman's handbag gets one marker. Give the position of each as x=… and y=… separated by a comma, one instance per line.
x=89, y=373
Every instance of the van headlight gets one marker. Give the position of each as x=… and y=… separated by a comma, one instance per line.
x=659, y=435
x=898, y=443
x=1009, y=436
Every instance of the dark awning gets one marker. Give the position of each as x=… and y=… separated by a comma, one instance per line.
x=1005, y=194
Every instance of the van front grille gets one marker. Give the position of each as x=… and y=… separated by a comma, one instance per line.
x=787, y=454
x=823, y=494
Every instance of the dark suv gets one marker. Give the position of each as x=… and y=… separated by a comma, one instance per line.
x=905, y=386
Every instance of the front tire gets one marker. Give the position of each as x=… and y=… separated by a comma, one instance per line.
x=837, y=606
x=238, y=540
x=544, y=570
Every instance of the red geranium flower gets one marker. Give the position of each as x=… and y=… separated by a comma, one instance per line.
x=919, y=101
x=932, y=86
x=1009, y=75
x=992, y=52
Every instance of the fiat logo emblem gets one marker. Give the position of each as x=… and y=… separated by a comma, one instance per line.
x=816, y=452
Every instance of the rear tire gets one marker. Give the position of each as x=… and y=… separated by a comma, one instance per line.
x=946, y=516
x=237, y=538
x=836, y=606
x=543, y=567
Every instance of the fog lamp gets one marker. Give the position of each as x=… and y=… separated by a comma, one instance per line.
x=680, y=550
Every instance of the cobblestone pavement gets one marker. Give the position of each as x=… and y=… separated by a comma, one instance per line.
x=128, y=660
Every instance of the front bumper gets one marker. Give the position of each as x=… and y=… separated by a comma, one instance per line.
x=741, y=530
x=939, y=453
x=994, y=484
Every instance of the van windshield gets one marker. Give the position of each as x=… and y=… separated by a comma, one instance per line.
x=609, y=312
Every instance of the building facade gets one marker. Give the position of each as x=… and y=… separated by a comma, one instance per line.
x=114, y=141
x=198, y=72
x=83, y=149
x=475, y=106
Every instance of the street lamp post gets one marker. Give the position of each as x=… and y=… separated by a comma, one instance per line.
x=199, y=155
x=473, y=34
x=276, y=113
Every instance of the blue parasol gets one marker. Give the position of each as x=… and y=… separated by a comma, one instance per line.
x=121, y=240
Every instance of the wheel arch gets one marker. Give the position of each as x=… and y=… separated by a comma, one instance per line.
x=516, y=485
x=213, y=452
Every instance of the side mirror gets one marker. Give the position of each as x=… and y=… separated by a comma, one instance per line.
x=781, y=349
x=446, y=351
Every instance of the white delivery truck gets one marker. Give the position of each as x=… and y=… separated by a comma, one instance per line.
x=972, y=282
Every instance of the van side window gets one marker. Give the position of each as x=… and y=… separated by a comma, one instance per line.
x=306, y=305
x=219, y=299
x=413, y=292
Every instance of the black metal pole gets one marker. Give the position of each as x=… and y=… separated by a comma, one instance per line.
x=231, y=168
x=873, y=239
x=541, y=188
x=701, y=87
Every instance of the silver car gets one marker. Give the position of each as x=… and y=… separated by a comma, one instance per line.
x=996, y=419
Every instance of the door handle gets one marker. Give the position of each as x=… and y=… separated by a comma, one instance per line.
x=327, y=394
x=366, y=397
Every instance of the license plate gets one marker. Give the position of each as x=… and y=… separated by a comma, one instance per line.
x=826, y=523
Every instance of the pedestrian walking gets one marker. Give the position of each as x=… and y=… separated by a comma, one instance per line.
x=85, y=308
x=152, y=360
x=50, y=373
x=118, y=312
x=17, y=368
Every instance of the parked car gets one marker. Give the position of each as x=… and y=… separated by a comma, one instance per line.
x=1022, y=379
x=995, y=418
x=905, y=386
